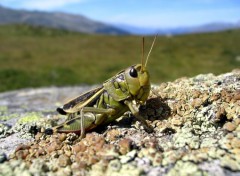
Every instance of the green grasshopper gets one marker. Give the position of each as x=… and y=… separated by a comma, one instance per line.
x=125, y=91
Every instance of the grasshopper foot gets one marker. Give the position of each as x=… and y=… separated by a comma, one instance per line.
x=48, y=131
x=149, y=129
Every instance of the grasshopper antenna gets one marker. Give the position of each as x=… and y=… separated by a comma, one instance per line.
x=150, y=50
x=142, y=53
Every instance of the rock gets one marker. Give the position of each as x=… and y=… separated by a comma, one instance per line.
x=3, y=157
x=235, y=143
x=185, y=168
x=125, y=146
x=229, y=126
x=230, y=163
x=64, y=160
x=128, y=157
x=196, y=131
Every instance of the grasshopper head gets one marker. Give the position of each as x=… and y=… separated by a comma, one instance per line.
x=137, y=78
x=138, y=82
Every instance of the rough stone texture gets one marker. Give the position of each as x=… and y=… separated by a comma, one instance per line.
x=196, y=132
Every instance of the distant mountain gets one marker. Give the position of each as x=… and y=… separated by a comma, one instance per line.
x=211, y=27
x=83, y=24
x=57, y=20
x=136, y=30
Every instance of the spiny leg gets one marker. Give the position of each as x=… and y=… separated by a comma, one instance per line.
x=82, y=126
x=88, y=119
x=92, y=110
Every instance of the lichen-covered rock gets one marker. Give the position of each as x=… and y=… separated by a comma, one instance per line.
x=196, y=132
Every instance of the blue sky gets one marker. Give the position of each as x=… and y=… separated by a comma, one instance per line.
x=141, y=13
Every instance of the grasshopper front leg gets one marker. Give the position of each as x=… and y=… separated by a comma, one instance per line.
x=134, y=110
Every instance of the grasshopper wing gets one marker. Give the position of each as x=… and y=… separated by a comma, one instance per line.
x=82, y=100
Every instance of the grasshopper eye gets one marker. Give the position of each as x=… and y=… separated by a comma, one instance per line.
x=133, y=72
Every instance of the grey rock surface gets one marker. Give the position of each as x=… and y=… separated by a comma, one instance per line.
x=196, y=125
x=17, y=104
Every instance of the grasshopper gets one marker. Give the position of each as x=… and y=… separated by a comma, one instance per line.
x=125, y=91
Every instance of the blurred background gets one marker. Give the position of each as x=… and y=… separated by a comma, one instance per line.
x=75, y=42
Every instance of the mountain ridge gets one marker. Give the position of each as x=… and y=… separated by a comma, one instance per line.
x=81, y=23
x=208, y=27
x=59, y=20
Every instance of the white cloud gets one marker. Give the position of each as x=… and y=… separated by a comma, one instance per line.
x=49, y=4
x=42, y=4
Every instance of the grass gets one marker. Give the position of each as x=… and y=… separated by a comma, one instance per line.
x=37, y=56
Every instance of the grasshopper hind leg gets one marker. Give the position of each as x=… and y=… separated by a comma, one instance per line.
x=78, y=125
x=82, y=125
x=87, y=119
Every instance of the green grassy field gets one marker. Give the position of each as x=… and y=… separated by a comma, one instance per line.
x=34, y=57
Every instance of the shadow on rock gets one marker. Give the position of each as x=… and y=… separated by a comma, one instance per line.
x=155, y=109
